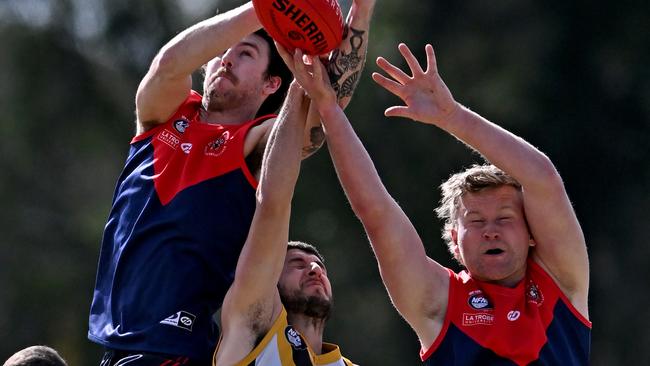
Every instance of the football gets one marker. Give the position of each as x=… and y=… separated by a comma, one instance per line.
x=314, y=26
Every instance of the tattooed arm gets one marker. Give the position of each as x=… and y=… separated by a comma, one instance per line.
x=346, y=62
x=344, y=68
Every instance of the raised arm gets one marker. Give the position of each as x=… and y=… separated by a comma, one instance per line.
x=560, y=244
x=417, y=285
x=346, y=62
x=169, y=79
x=344, y=67
x=253, y=299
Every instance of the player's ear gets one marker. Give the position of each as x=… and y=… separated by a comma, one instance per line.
x=272, y=84
x=531, y=242
x=453, y=246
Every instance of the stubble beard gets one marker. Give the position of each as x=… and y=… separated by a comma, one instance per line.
x=220, y=101
x=317, y=307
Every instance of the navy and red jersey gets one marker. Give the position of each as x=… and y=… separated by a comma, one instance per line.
x=181, y=213
x=487, y=324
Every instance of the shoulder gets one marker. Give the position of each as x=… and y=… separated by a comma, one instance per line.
x=186, y=110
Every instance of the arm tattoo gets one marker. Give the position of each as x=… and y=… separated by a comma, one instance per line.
x=316, y=137
x=341, y=63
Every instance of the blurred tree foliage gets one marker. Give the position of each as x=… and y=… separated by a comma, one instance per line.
x=570, y=77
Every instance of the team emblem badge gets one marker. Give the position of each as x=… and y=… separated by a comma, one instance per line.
x=217, y=147
x=533, y=294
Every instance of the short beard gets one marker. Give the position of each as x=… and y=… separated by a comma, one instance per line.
x=312, y=306
x=214, y=101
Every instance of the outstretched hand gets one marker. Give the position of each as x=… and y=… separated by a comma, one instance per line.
x=426, y=96
x=310, y=73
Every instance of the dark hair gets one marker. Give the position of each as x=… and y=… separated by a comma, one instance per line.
x=276, y=67
x=305, y=248
x=36, y=356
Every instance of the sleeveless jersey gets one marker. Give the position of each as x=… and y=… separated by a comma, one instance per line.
x=284, y=346
x=181, y=212
x=487, y=324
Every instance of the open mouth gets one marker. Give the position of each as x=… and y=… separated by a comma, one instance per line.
x=495, y=251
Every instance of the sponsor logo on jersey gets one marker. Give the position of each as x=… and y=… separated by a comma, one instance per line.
x=513, y=315
x=169, y=138
x=181, y=124
x=181, y=319
x=533, y=294
x=477, y=319
x=186, y=147
x=294, y=338
x=478, y=301
x=217, y=147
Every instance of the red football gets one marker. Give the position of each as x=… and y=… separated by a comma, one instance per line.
x=314, y=26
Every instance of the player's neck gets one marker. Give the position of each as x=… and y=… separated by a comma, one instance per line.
x=227, y=116
x=310, y=328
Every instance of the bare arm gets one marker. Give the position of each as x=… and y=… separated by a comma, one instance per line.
x=417, y=285
x=344, y=67
x=346, y=62
x=252, y=301
x=560, y=244
x=168, y=81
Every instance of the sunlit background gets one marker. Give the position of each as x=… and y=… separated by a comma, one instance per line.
x=572, y=77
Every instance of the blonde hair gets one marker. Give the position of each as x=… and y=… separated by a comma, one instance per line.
x=474, y=179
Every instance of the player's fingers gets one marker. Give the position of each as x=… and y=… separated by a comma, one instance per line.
x=318, y=69
x=392, y=70
x=432, y=65
x=298, y=62
x=387, y=83
x=410, y=59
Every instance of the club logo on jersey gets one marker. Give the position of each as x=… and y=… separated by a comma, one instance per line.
x=181, y=319
x=186, y=147
x=181, y=124
x=534, y=295
x=217, y=147
x=478, y=301
x=169, y=138
x=294, y=338
x=477, y=319
x=513, y=315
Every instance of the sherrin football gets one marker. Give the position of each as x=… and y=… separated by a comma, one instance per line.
x=314, y=26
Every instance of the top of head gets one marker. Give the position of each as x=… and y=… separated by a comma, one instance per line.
x=314, y=26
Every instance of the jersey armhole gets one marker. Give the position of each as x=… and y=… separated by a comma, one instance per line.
x=539, y=269
x=425, y=353
x=276, y=329
x=250, y=177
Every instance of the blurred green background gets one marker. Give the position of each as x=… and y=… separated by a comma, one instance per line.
x=571, y=77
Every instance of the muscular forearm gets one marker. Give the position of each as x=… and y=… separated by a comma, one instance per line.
x=197, y=45
x=267, y=238
x=344, y=69
x=347, y=61
x=502, y=148
x=355, y=169
x=282, y=156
